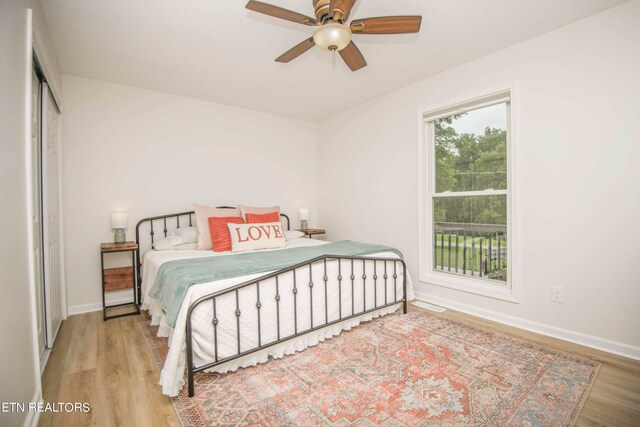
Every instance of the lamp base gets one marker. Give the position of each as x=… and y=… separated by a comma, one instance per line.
x=304, y=225
x=119, y=236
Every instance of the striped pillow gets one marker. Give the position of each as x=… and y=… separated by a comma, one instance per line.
x=244, y=210
x=252, y=218
x=203, y=213
x=220, y=237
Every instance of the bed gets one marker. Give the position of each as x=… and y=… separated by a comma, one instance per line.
x=235, y=322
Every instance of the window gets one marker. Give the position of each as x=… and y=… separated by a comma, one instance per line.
x=466, y=239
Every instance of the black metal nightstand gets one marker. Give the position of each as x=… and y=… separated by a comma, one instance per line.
x=119, y=278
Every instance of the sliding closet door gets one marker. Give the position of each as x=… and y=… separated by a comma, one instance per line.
x=36, y=203
x=50, y=199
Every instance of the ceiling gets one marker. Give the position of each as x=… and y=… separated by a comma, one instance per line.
x=217, y=50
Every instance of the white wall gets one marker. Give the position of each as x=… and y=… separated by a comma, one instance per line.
x=151, y=153
x=19, y=370
x=578, y=176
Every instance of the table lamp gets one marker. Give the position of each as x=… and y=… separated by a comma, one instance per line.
x=119, y=224
x=303, y=214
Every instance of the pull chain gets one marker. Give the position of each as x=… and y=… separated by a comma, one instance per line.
x=333, y=58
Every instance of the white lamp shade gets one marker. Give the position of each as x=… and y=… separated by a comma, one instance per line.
x=303, y=214
x=119, y=219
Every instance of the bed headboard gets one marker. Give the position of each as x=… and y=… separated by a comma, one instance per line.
x=164, y=224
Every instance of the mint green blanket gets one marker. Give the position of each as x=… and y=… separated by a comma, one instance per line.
x=175, y=277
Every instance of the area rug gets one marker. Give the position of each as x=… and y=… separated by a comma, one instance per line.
x=399, y=370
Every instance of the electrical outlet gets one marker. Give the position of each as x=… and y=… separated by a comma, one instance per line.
x=557, y=294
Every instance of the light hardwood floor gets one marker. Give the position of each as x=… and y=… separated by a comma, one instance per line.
x=109, y=365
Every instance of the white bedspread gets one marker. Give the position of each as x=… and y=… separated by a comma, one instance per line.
x=172, y=376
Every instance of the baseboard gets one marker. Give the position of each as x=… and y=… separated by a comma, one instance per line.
x=97, y=306
x=427, y=306
x=586, y=340
x=33, y=417
x=44, y=359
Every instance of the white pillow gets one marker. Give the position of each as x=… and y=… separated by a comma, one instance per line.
x=188, y=234
x=251, y=237
x=293, y=234
x=173, y=242
x=167, y=242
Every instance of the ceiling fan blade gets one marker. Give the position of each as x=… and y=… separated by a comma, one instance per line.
x=278, y=12
x=387, y=25
x=352, y=56
x=340, y=9
x=296, y=51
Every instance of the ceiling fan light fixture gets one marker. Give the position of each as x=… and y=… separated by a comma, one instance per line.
x=332, y=37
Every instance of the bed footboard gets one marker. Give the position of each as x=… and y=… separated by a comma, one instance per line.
x=344, y=287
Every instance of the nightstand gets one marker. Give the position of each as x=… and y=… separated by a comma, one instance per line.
x=313, y=232
x=119, y=278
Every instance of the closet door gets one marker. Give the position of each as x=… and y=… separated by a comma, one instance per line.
x=36, y=204
x=51, y=218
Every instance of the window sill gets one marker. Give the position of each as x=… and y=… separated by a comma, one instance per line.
x=474, y=286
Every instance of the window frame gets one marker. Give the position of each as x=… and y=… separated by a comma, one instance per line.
x=427, y=192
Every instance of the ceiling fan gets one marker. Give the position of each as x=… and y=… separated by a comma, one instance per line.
x=333, y=34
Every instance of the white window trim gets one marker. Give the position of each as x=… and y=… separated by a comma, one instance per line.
x=426, y=175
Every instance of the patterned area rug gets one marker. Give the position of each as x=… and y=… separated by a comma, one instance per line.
x=399, y=370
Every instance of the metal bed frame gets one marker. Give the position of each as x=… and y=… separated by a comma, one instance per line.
x=393, y=267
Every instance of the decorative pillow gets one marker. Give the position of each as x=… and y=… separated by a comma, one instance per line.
x=251, y=218
x=203, y=213
x=244, y=210
x=219, y=233
x=293, y=234
x=188, y=234
x=251, y=237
